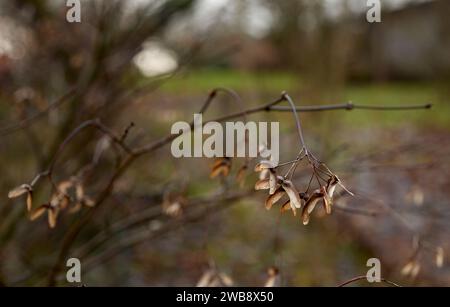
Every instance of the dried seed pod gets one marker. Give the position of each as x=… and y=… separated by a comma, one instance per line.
x=291, y=191
x=310, y=205
x=205, y=279
x=20, y=190
x=274, y=277
x=262, y=185
x=264, y=174
x=88, y=202
x=264, y=164
x=326, y=200
x=225, y=280
x=407, y=269
x=331, y=185
x=79, y=191
x=415, y=271
x=440, y=255
x=65, y=201
x=241, y=174
x=52, y=216
x=221, y=166
x=55, y=200
x=305, y=217
x=172, y=209
x=75, y=208
x=287, y=206
x=64, y=186
x=29, y=200
x=38, y=212
x=272, y=199
x=273, y=181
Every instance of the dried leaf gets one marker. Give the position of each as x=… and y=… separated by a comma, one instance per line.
x=272, y=199
x=20, y=190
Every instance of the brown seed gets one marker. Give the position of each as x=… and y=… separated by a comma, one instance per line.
x=262, y=185
x=29, y=201
x=223, y=169
x=273, y=181
x=75, y=208
x=407, y=269
x=305, y=217
x=38, y=212
x=287, y=206
x=326, y=200
x=79, y=191
x=88, y=202
x=52, y=216
x=440, y=257
x=291, y=191
x=264, y=164
x=20, y=190
x=241, y=174
x=272, y=199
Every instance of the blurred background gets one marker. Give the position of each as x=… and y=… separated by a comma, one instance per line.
x=141, y=65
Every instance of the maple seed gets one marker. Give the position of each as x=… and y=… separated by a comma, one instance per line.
x=29, y=200
x=38, y=212
x=20, y=190
x=272, y=199
x=262, y=185
x=264, y=164
x=294, y=197
x=221, y=166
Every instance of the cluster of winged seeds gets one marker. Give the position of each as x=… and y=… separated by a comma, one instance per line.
x=281, y=186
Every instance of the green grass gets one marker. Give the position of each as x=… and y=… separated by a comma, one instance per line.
x=204, y=80
x=390, y=94
x=393, y=94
